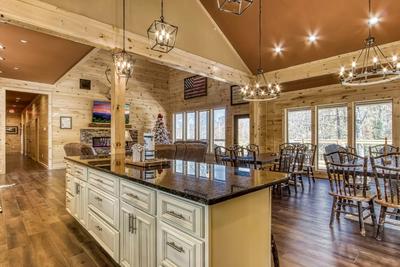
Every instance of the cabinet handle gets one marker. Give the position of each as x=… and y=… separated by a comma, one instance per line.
x=77, y=189
x=132, y=195
x=99, y=228
x=174, y=214
x=130, y=226
x=68, y=200
x=174, y=246
x=134, y=228
x=99, y=180
x=98, y=199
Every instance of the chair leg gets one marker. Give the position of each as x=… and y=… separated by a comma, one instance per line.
x=333, y=211
x=295, y=183
x=309, y=175
x=301, y=182
x=361, y=218
x=312, y=174
x=372, y=211
x=338, y=207
x=381, y=223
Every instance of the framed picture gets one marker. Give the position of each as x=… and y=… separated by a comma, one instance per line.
x=65, y=122
x=11, y=129
x=195, y=86
x=236, y=96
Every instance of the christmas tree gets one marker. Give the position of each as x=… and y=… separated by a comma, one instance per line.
x=161, y=134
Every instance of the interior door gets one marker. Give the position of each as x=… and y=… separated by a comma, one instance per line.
x=242, y=129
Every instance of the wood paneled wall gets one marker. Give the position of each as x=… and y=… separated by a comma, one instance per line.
x=218, y=95
x=273, y=116
x=13, y=141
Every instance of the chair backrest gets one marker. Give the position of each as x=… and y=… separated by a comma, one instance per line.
x=221, y=153
x=196, y=152
x=342, y=157
x=311, y=150
x=387, y=177
x=87, y=150
x=347, y=178
x=72, y=149
x=379, y=150
x=291, y=158
x=180, y=151
x=165, y=151
x=254, y=147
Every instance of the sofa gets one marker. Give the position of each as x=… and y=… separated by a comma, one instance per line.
x=183, y=150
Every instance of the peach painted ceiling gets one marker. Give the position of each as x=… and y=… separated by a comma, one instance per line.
x=341, y=27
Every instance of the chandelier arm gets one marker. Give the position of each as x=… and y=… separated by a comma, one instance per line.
x=378, y=56
x=365, y=61
x=386, y=60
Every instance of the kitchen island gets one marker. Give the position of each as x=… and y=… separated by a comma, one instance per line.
x=180, y=214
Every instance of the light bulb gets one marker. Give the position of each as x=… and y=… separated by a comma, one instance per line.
x=251, y=93
x=157, y=33
x=167, y=36
x=384, y=70
x=257, y=85
x=394, y=58
x=342, y=69
x=353, y=64
x=278, y=88
x=350, y=74
x=262, y=92
x=269, y=85
x=375, y=60
x=247, y=87
x=373, y=21
x=398, y=65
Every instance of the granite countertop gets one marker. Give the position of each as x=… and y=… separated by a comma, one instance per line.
x=201, y=182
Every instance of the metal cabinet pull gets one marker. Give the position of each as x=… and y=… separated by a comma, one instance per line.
x=99, y=228
x=77, y=189
x=134, y=224
x=130, y=227
x=99, y=180
x=98, y=199
x=174, y=214
x=132, y=195
x=174, y=246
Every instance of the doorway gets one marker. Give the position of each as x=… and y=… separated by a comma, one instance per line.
x=241, y=129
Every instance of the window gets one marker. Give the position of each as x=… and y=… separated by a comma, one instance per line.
x=219, y=127
x=332, y=129
x=203, y=125
x=299, y=126
x=178, y=126
x=373, y=123
x=242, y=130
x=190, y=126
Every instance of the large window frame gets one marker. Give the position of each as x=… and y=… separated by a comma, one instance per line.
x=307, y=108
x=210, y=126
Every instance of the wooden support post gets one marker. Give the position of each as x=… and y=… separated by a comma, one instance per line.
x=118, y=88
x=2, y=131
x=396, y=121
x=257, y=126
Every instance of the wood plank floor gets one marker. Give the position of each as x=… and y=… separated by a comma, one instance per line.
x=35, y=229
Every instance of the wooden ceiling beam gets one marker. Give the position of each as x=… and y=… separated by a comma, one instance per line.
x=43, y=17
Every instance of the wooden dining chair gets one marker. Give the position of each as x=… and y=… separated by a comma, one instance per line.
x=387, y=181
x=379, y=150
x=222, y=155
x=254, y=147
x=345, y=179
x=248, y=158
x=309, y=161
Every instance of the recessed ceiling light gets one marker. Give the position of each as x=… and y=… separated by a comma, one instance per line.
x=1, y=71
x=14, y=106
x=11, y=110
x=17, y=99
x=23, y=41
x=373, y=20
x=2, y=46
x=278, y=49
x=2, y=58
x=312, y=37
x=16, y=68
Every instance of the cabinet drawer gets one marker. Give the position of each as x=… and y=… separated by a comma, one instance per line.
x=69, y=203
x=178, y=249
x=103, y=181
x=69, y=168
x=80, y=172
x=104, y=205
x=184, y=215
x=139, y=197
x=107, y=236
x=69, y=184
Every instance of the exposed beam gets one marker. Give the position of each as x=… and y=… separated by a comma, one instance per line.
x=36, y=15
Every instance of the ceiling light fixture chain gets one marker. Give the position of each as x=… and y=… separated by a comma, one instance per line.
x=371, y=66
x=261, y=89
x=162, y=35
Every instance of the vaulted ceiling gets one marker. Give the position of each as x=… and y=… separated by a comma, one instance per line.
x=341, y=27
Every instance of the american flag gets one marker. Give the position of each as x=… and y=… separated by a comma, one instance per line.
x=195, y=86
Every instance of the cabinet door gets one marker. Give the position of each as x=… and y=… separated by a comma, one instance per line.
x=144, y=227
x=126, y=236
x=137, y=240
x=83, y=206
x=76, y=199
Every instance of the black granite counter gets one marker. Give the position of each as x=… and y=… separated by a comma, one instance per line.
x=201, y=182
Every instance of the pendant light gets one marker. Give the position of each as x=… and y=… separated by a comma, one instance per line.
x=236, y=7
x=371, y=66
x=260, y=89
x=161, y=34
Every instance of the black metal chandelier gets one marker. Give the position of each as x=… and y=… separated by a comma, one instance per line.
x=260, y=89
x=371, y=66
x=162, y=35
x=236, y=7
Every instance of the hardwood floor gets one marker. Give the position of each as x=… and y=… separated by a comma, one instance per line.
x=35, y=229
